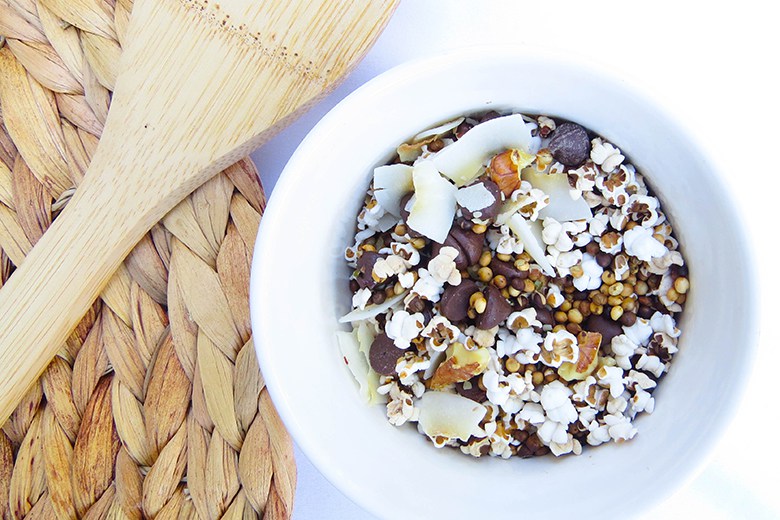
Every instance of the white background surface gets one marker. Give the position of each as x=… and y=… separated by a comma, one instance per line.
x=716, y=65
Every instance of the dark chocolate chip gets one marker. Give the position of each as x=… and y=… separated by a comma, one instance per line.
x=507, y=270
x=461, y=261
x=545, y=316
x=471, y=243
x=604, y=326
x=468, y=244
x=645, y=312
x=604, y=260
x=365, y=265
x=475, y=393
x=491, y=212
x=383, y=355
x=496, y=310
x=570, y=144
x=454, y=303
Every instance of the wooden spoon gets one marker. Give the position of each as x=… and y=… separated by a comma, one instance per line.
x=203, y=83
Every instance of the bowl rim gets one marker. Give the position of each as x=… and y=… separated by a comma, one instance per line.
x=559, y=59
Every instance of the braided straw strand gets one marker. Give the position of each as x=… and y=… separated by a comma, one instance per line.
x=155, y=406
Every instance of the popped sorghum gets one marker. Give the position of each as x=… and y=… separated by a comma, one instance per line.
x=516, y=288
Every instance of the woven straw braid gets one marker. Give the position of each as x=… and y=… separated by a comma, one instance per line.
x=154, y=407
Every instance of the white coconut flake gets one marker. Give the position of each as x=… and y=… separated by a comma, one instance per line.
x=463, y=159
x=434, y=207
x=391, y=183
x=358, y=365
x=530, y=234
x=562, y=206
x=475, y=197
x=450, y=415
x=439, y=130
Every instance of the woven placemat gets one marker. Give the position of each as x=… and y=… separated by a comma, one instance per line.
x=154, y=407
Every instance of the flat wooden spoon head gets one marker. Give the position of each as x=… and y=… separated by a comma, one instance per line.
x=203, y=83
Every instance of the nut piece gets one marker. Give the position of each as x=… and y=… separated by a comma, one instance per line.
x=587, y=361
x=504, y=169
x=460, y=365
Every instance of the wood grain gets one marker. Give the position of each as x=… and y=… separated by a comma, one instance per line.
x=214, y=84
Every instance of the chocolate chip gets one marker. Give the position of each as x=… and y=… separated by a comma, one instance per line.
x=604, y=259
x=570, y=144
x=491, y=212
x=475, y=393
x=454, y=303
x=545, y=316
x=365, y=266
x=383, y=355
x=604, y=326
x=645, y=312
x=507, y=270
x=496, y=310
x=628, y=319
x=468, y=244
x=462, y=129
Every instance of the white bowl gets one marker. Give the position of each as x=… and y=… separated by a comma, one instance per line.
x=299, y=289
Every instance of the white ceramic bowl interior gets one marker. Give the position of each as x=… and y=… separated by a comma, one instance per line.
x=299, y=290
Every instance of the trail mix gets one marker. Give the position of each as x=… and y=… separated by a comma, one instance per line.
x=516, y=288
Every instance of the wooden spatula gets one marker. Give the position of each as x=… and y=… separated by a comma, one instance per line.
x=203, y=83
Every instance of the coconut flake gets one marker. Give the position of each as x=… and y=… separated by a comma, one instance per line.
x=475, y=197
x=562, y=206
x=391, y=183
x=439, y=130
x=450, y=415
x=530, y=233
x=372, y=310
x=434, y=207
x=357, y=363
x=462, y=160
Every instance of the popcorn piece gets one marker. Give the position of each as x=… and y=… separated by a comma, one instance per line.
x=642, y=402
x=639, y=332
x=619, y=427
x=652, y=364
x=605, y=155
x=558, y=348
x=571, y=445
x=591, y=274
x=552, y=431
x=640, y=379
x=623, y=348
x=523, y=319
x=400, y=408
x=530, y=348
x=403, y=327
x=664, y=323
x=555, y=297
x=639, y=242
x=532, y=413
x=384, y=268
x=642, y=209
x=440, y=332
x=442, y=266
x=360, y=298
x=611, y=377
x=557, y=405
x=565, y=261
